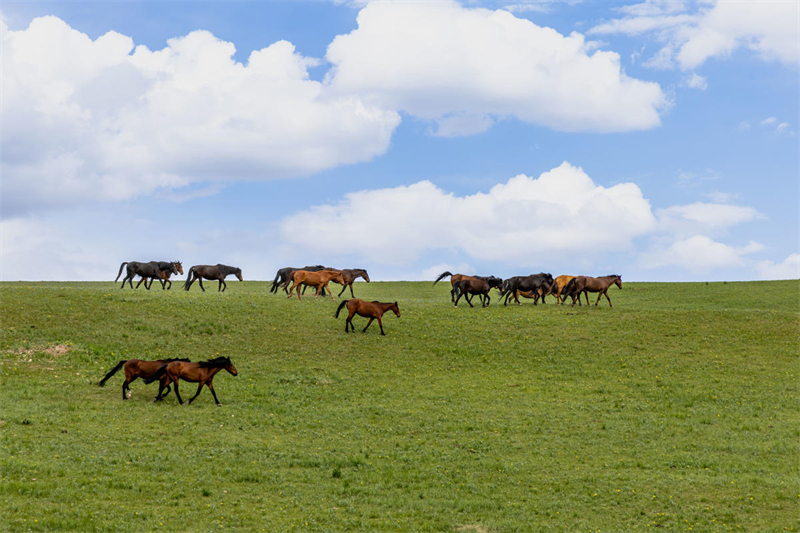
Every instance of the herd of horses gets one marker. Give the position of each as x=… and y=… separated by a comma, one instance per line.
x=294, y=281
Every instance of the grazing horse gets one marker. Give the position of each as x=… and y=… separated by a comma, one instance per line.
x=372, y=310
x=318, y=279
x=136, y=368
x=465, y=287
x=218, y=272
x=202, y=373
x=145, y=270
x=166, y=272
x=455, y=278
x=533, y=283
x=561, y=284
x=349, y=275
x=586, y=284
x=284, y=276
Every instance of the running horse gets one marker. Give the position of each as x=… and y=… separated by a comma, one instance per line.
x=136, y=368
x=166, y=272
x=218, y=272
x=481, y=287
x=586, y=284
x=152, y=269
x=318, y=279
x=202, y=373
x=349, y=275
x=372, y=310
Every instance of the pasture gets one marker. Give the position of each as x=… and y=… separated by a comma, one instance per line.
x=676, y=410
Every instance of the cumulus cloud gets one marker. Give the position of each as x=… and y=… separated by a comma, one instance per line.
x=465, y=67
x=99, y=119
x=699, y=254
x=788, y=269
x=769, y=29
x=561, y=211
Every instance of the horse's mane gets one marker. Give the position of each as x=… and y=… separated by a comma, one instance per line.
x=218, y=362
x=183, y=360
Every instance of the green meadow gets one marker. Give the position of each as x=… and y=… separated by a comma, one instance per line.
x=675, y=410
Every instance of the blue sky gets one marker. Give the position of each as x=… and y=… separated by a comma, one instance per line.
x=656, y=140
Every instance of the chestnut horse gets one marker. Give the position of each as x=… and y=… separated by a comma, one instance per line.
x=284, y=276
x=349, y=275
x=481, y=287
x=319, y=280
x=218, y=272
x=586, y=284
x=202, y=373
x=372, y=310
x=166, y=272
x=136, y=368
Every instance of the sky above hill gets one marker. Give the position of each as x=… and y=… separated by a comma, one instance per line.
x=657, y=140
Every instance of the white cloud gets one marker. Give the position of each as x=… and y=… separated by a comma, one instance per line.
x=91, y=119
x=695, y=81
x=788, y=269
x=561, y=211
x=439, y=60
x=705, y=215
x=699, y=254
x=767, y=28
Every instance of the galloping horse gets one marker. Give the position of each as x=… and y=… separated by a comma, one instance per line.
x=202, y=373
x=218, y=272
x=318, y=279
x=284, y=276
x=481, y=287
x=166, y=272
x=455, y=278
x=372, y=310
x=349, y=275
x=533, y=283
x=586, y=284
x=136, y=368
x=146, y=270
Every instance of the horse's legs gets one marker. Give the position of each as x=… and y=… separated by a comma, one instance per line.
x=368, y=323
x=124, y=389
x=487, y=300
x=329, y=290
x=381, y=325
x=351, y=291
x=199, y=388
x=200, y=281
x=457, y=299
x=586, y=293
x=607, y=298
x=468, y=299
x=177, y=392
x=140, y=282
x=214, y=394
x=344, y=287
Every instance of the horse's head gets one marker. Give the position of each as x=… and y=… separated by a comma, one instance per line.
x=618, y=281
x=238, y=274
x=230, y=368
x=178, y=266
x=173, y=268
x=496, y=283
x=395, y=308
x=364, y=275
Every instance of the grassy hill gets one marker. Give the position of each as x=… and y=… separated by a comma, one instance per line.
x=676, y=409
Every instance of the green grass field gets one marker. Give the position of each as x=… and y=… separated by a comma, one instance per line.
x=676, y=410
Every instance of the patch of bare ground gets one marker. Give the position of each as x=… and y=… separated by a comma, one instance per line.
x=27, y=352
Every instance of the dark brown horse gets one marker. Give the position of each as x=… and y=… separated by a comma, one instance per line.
x=319, y=280
x=467, y=287
x=218, y=272
x=586, y=284
x=202, y=373
x=136, y=368
x=371, y=310
x=145, y=270
x=166, y=272
x=349, y=275
x=455, y=278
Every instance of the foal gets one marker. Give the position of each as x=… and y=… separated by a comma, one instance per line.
x=372, y=310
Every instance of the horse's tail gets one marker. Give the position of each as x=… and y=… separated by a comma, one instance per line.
x=569, y=288
x=444, y=275
x=188, y=281
x=120, y=270
x=341, y=305
x=112, y=372
x=160, y=372
x=274, y=287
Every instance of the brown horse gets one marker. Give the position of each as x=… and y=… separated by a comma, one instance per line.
x=586, y=284
x=455, y=278
x=372, y=310
x=165, y=275
x=561, y=283
x=319, y=280
x=211, y=272
x=349, y=275
x=136, y=368
x=481, y=287
x=202, y=373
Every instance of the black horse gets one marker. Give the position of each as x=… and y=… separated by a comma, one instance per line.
x=166, y=272
x=218, y=272
x=531, y=283
x=153, y=269
x=481, y=287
